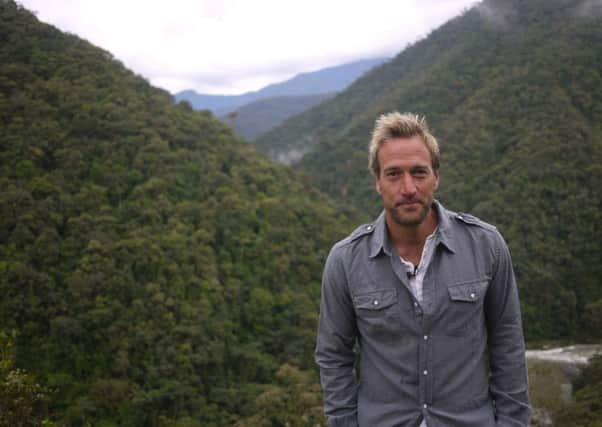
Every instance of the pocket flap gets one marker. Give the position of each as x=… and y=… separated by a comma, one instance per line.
x=468, y=292
x=376, y=300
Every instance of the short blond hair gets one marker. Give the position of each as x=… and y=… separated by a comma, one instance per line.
x=396, y=125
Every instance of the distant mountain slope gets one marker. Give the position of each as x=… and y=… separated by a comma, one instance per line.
x=513, y=91
x=256, y=118
x=155, y=270
x=327, y=80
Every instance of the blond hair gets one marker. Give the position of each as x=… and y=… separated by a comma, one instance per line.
x=396, y=125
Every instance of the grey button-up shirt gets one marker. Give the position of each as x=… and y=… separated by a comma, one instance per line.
x=455, y=359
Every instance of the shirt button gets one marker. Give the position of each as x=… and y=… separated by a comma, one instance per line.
x=426, y=337
x=425, y=372
x=375, y=302
x=425, y=406
x=415, y=304
x=472, y=295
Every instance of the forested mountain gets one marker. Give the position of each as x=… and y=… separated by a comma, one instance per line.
x=513, y=91
x=256, y=118
x=324, y=81
x=154, y=269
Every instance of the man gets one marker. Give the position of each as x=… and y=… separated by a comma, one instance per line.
x=430, y=297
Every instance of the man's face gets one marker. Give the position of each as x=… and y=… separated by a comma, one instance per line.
x=407, y=182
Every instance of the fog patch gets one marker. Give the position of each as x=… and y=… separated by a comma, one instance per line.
x=496, y=16
x=589, y=8
x=290, y=157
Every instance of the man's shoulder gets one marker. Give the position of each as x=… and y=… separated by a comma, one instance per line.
x=356, y=235
x=475, y=229
x=359, y=240
x=462, y=219
x=468, y=220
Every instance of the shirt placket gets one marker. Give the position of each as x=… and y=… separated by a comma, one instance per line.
x=425, y=347
x=426, y=362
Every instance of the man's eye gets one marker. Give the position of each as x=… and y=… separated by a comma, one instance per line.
x=419, y=173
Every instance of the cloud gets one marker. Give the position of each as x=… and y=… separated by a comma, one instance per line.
x=495, y=15
x=231, y=46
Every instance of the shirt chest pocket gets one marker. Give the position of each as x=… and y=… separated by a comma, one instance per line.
x=464, y=313
x=375, y=302
x=377, y=312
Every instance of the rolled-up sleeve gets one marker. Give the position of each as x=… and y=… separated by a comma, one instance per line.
x=335, y=342
x=508, y=382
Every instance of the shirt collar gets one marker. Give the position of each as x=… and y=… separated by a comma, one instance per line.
x=380, y=237
x=444, y=233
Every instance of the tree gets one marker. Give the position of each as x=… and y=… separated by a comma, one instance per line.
x=23, y=402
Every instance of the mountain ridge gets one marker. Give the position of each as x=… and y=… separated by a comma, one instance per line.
x=326, y=80
x=258, y=117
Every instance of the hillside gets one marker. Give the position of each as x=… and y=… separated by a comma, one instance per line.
x=154, y=269
x=324, y=81
x=256, y=118
x=513, y=91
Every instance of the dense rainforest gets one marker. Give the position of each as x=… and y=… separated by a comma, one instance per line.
x=513, y=91
x=154, y=268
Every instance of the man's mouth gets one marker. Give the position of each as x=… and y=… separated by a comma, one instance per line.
x=407, y=203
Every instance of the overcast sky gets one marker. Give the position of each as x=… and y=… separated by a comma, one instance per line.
x=234, y=46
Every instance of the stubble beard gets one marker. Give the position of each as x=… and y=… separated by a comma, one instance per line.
x=411, y=221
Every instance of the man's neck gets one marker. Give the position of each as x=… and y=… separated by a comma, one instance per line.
x=409, y=240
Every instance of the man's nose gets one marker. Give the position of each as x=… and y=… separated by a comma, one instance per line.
x=408, y=186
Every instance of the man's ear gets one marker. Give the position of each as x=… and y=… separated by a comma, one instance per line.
x=437, y=179
x=377, y=186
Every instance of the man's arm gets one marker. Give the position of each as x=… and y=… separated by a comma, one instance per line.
x=508, y=383
x=334, y=350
